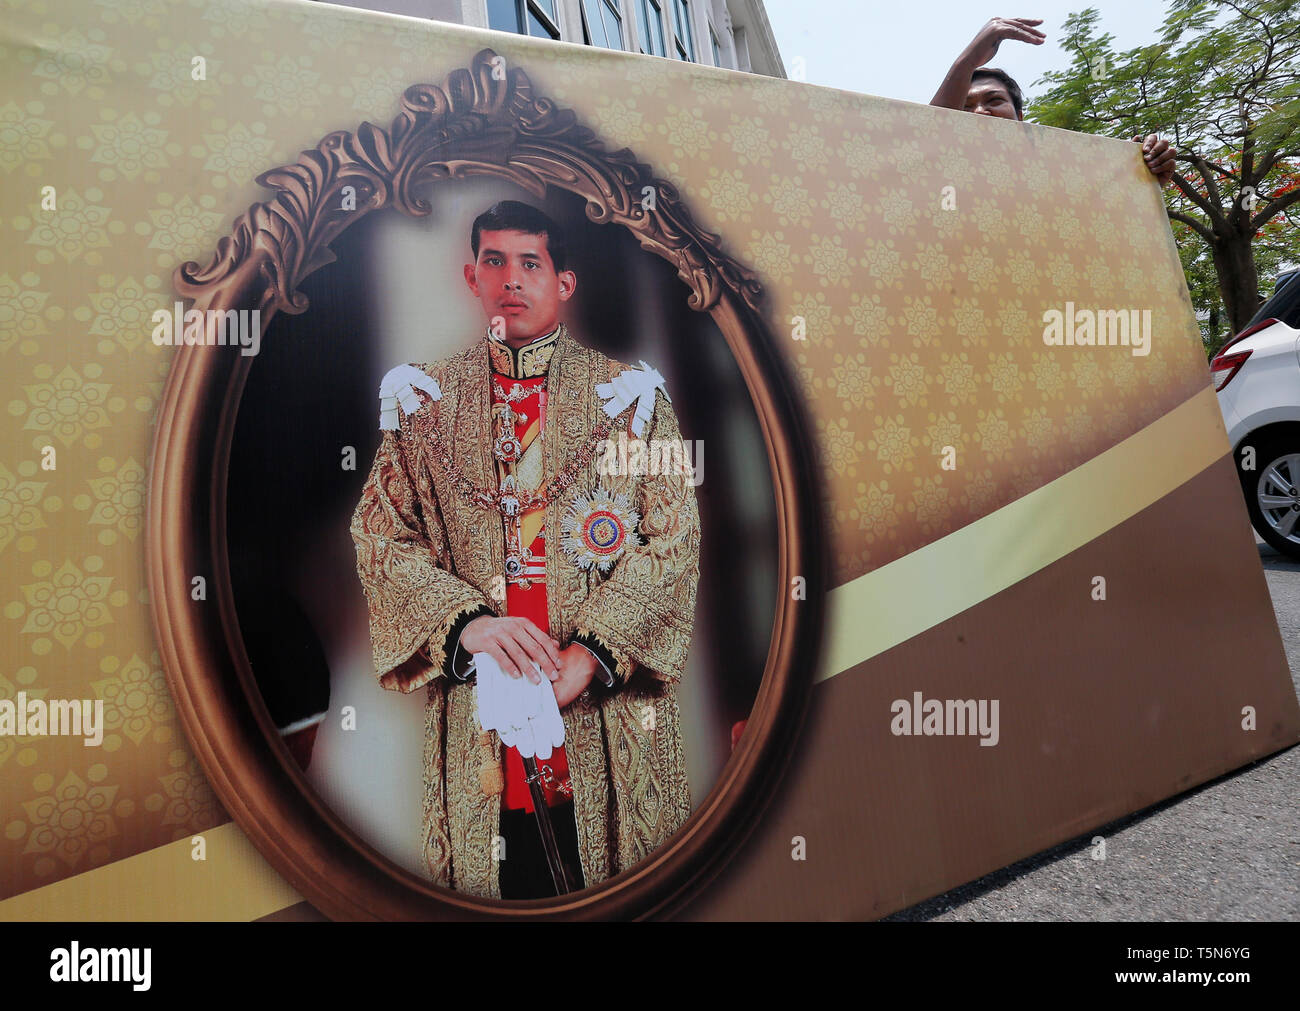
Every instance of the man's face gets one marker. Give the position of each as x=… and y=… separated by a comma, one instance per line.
x=516, y=281
x=989, y=97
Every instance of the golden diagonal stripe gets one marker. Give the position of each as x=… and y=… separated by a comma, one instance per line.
x=876, y=612
x=232, y=883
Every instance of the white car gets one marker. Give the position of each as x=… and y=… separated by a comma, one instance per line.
x=1257, y=378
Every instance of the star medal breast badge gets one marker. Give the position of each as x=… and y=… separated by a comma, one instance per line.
x=596, y=529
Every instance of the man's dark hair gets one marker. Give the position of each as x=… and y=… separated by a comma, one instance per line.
x=516, y=216
x=1008, y=82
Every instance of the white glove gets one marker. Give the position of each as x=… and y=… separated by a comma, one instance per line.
x=526, y=715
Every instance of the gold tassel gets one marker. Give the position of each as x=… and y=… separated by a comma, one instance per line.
x=491, y=777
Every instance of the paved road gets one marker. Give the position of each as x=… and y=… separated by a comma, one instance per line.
x=1228, y=850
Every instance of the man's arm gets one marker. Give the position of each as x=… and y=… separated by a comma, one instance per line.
x=417, y=607
x=643, y=614
x=955, y=87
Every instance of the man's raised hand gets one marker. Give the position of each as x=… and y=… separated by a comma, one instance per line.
x=985, y=44
x=513, y=642
x=956, y=85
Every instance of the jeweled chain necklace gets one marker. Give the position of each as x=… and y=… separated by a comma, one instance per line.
x=510, y=500
x=518, y=392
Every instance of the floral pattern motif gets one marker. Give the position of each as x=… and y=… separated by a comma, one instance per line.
x=66, y=602
x=20, y=511
x=24, y=134
x=66, y=406
x=73, y=227
x=136, y=700
x=67, y=821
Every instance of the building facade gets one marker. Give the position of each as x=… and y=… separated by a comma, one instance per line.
x=733, y=34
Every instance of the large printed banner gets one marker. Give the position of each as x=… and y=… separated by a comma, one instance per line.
x=842, y=475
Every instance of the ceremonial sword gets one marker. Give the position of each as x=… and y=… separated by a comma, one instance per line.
x=558, y=872
x=533, y=775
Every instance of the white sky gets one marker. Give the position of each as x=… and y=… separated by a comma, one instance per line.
x=902, y=50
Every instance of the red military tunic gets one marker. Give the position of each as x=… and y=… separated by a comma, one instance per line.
x=526, y=591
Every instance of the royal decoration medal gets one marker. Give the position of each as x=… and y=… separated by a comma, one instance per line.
x=597, y=528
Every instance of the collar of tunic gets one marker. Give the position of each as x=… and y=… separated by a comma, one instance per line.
x=528, y=362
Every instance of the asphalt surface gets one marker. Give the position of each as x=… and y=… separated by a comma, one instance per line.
x=1227, y=850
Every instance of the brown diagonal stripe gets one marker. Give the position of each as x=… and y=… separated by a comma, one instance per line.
x=1106, y=707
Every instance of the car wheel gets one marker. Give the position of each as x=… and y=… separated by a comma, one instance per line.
x=1273, y=492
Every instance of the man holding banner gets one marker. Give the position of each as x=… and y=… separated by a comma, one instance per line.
x=972, y=86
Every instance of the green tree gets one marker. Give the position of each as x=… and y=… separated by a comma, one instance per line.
x=1222, y=84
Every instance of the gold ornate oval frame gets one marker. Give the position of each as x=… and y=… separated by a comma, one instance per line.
x=480, y=121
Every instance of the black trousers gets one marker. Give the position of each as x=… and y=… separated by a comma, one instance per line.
x=525, y=874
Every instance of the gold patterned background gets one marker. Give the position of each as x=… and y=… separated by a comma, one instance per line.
x=923, y=325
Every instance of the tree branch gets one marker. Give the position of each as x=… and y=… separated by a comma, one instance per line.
x=1193, y=224
x=1275, y=207
x=1211, y=187
x=1184, y=185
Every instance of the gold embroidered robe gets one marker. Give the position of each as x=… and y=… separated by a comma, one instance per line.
x=426, y=556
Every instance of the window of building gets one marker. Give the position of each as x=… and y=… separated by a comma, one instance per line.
x=601, y=24
x=684, y=40
x=651, y=23
x=526, y=17
x=717, y=49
